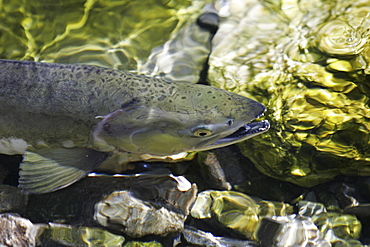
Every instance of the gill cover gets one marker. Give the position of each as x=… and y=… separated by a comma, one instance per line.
x=138, y=129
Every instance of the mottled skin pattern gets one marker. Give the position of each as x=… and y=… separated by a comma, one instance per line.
x=55, y=102
x=67, y=119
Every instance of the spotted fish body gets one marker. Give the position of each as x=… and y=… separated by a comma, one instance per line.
x=67, y=119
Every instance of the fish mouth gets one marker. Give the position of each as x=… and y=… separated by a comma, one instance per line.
x=245, y=132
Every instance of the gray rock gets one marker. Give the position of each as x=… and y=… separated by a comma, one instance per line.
x=135, y=217
x=198, y=237
x=17, y=231
x=291, y=230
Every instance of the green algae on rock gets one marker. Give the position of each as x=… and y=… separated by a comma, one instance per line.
x=67, y=235
x=308, y=62
x=236, y=210
x=337, y=228
x=142, y=244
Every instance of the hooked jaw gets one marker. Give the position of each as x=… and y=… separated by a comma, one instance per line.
x=243, y=133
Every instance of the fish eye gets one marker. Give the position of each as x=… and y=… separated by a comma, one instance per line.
x=230, y=122
x=202, y=132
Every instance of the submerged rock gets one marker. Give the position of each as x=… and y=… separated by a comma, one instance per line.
x=17, y=231
x=278, y=224
x=289, y=231
x=308, y=62
x=142, y=244
x=75, y=205
x=66, y=235
x=212, y=171
x=226, y=168
x=201, y=238
x=336, y=228
x=163, y=210
x=309, y=209
x=136, y=218
x=236, y=210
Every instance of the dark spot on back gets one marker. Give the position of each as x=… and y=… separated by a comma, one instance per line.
x=78, y=75
x=183, y=97
x=162, y=98
x=130, y=103
x=91, y=97
x=91, y=83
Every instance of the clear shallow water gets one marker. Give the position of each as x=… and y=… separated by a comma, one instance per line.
x=307, y=61
x=310, y=92
x=117, y=34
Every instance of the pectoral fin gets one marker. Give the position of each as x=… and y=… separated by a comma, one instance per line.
x=47, y=170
